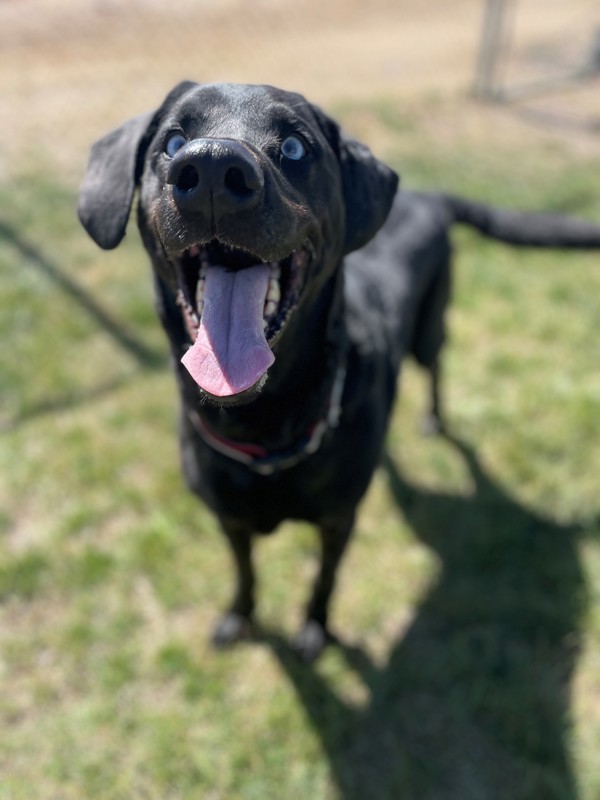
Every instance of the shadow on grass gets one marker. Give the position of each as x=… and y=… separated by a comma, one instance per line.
x=473, y=703
x=144, y=356
x=63, y=402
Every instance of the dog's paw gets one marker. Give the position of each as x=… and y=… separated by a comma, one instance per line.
x=231, y=628
x=311, y=641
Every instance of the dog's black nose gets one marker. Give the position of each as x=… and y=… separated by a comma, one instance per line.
x=216, y=176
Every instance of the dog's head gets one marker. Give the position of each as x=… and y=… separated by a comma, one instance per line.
x=248, y=198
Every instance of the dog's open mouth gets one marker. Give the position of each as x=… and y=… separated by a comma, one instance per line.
x=234, y=305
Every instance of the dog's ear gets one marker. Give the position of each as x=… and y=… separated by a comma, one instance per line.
x=109, y=183
x=369, y=190
x=369, y=185
x=113, y=172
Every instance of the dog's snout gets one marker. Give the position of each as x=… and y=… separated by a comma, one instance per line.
x=188, y=179
x=239, y=183
x=215, y=176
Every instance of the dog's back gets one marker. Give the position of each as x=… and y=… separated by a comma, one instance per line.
x=398, y=285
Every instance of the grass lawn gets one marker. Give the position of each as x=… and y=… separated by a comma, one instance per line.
x=468, y=609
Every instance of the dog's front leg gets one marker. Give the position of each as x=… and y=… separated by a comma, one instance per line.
x=235, y=623
x=313, y=637
x=433, y=422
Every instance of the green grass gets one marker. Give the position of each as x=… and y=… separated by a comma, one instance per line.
x=468, y=609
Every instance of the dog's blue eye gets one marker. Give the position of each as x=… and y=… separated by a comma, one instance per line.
x=174, y=143
x=293, y=148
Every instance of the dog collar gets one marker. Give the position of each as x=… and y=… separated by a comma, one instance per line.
x=257, y=457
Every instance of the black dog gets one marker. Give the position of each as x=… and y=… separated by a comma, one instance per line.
x=286, y=348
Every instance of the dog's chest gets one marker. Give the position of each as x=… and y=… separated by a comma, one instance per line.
x=264, y=501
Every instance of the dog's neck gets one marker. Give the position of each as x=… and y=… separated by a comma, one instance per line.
x=265, y=461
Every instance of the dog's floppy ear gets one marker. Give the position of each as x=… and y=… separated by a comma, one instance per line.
x=109, y=183
x=369, y=190
x=369, y=185
x=113, y=172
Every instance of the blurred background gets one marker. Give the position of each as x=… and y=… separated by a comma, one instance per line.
x=69, y=69
x=467, y=665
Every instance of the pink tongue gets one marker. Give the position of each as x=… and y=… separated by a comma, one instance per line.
x=231, y=353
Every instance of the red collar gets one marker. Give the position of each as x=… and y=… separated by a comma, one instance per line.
x=257, y=457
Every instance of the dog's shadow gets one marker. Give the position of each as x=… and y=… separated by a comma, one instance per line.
x=473, y=703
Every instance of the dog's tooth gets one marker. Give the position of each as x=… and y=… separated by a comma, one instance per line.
x=274, y=292
x=270, y=308
x=275, y=270
x=200, y=288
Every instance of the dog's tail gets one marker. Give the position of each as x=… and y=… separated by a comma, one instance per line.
x=524, y=228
